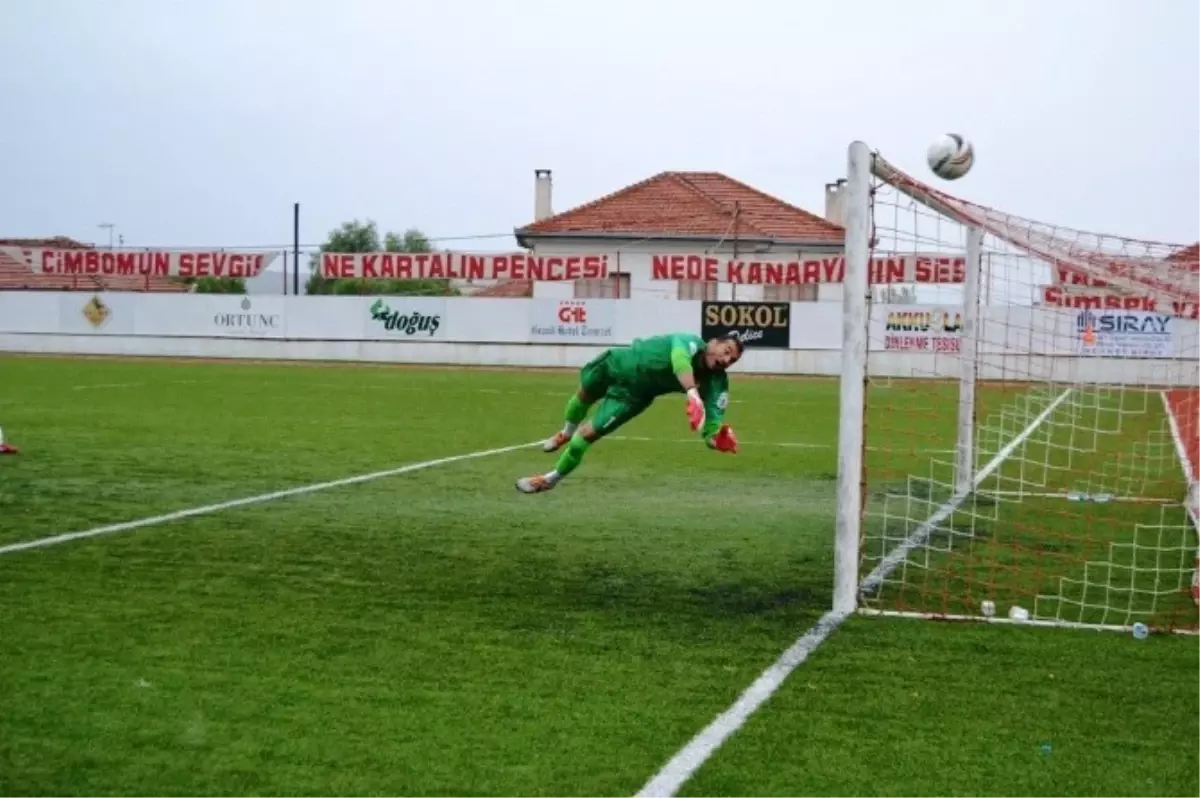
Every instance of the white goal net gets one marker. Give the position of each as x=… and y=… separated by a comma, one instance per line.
x=1019, y=428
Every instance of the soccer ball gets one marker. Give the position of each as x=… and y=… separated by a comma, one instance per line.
x=951, y=156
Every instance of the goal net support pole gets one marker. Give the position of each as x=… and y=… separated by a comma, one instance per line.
x=852, y=384
x=964, y=470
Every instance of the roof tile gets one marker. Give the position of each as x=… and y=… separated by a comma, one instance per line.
x=1186, y=255
x=521, y=289
x=683, y=204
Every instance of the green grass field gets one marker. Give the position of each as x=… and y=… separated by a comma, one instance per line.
x=435, y=632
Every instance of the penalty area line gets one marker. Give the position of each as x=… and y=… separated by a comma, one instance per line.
x=262, y=498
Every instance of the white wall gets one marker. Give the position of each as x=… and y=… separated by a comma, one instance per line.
x=1015, y=343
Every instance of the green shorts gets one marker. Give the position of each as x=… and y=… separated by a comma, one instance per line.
x=615, y=405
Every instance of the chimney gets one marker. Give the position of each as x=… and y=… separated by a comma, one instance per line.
x=541, y=194
x=833, y=201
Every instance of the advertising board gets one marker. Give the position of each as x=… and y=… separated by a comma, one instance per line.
x=406, y=318
x=908, y=328
x=573, y=321
x=765, y=325
x=1124, y=334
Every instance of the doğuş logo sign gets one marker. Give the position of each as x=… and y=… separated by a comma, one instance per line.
x=411, y=324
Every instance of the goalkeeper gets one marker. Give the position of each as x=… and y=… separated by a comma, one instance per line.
x=625, y=380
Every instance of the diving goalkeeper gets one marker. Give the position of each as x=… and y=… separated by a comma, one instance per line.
x=625, y=380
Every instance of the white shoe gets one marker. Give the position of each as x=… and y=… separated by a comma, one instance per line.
x=555, y=442
x=534, y=484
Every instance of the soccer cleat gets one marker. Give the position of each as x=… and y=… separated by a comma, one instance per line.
x=556, y=442
x=534, y=484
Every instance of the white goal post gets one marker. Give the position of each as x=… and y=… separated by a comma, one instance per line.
x=1019, y=442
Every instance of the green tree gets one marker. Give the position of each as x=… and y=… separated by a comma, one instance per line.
x=413, y=240
x=214, y=285
x=221, y=285
x=356, y=236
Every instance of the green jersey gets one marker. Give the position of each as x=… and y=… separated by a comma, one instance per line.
x=650, y=367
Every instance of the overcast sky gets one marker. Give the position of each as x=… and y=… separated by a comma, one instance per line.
x=201, y=122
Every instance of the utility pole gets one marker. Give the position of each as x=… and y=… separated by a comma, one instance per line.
x=737, y=213
x=109, y=226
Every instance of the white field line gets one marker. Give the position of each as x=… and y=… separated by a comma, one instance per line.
x=692, y=756
x=999, y=619
x=1189, y=468
x=781, y=444
x=1191, y=501
x=778, y=444
x=373, y=387
x=109, y=386
x=1084, y=497
x=564, y=395
x=116, y=386
x=261, y=498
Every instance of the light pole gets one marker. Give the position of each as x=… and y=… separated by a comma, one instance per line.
x=109, y=226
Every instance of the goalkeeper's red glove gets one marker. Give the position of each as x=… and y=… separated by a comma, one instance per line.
x=725, y=440
x=695, y=409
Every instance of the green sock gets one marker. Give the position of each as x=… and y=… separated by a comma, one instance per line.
x=576, y=410
x=571, y=456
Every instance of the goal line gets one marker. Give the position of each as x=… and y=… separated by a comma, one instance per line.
x=1182, y=407
x=1073, y=496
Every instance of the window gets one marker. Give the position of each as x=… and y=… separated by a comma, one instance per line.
x=613, y=287
x=697, y=289
x=790, y=293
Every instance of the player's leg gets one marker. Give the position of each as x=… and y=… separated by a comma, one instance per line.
x=593, y=385
x=612, y=413
x=576, y=411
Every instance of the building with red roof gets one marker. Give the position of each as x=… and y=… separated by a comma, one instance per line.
x=676, y=213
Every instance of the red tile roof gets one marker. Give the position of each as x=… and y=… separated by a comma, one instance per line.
x=520, y=289
x=1186, y=254
x=688, y=205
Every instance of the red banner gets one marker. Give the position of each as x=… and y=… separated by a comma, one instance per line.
x=1065, y=275
x=1091, y=297
x=524, y=266
x=463, y=266
x=144, y=263
x=930, y=269
x=1172, y=270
